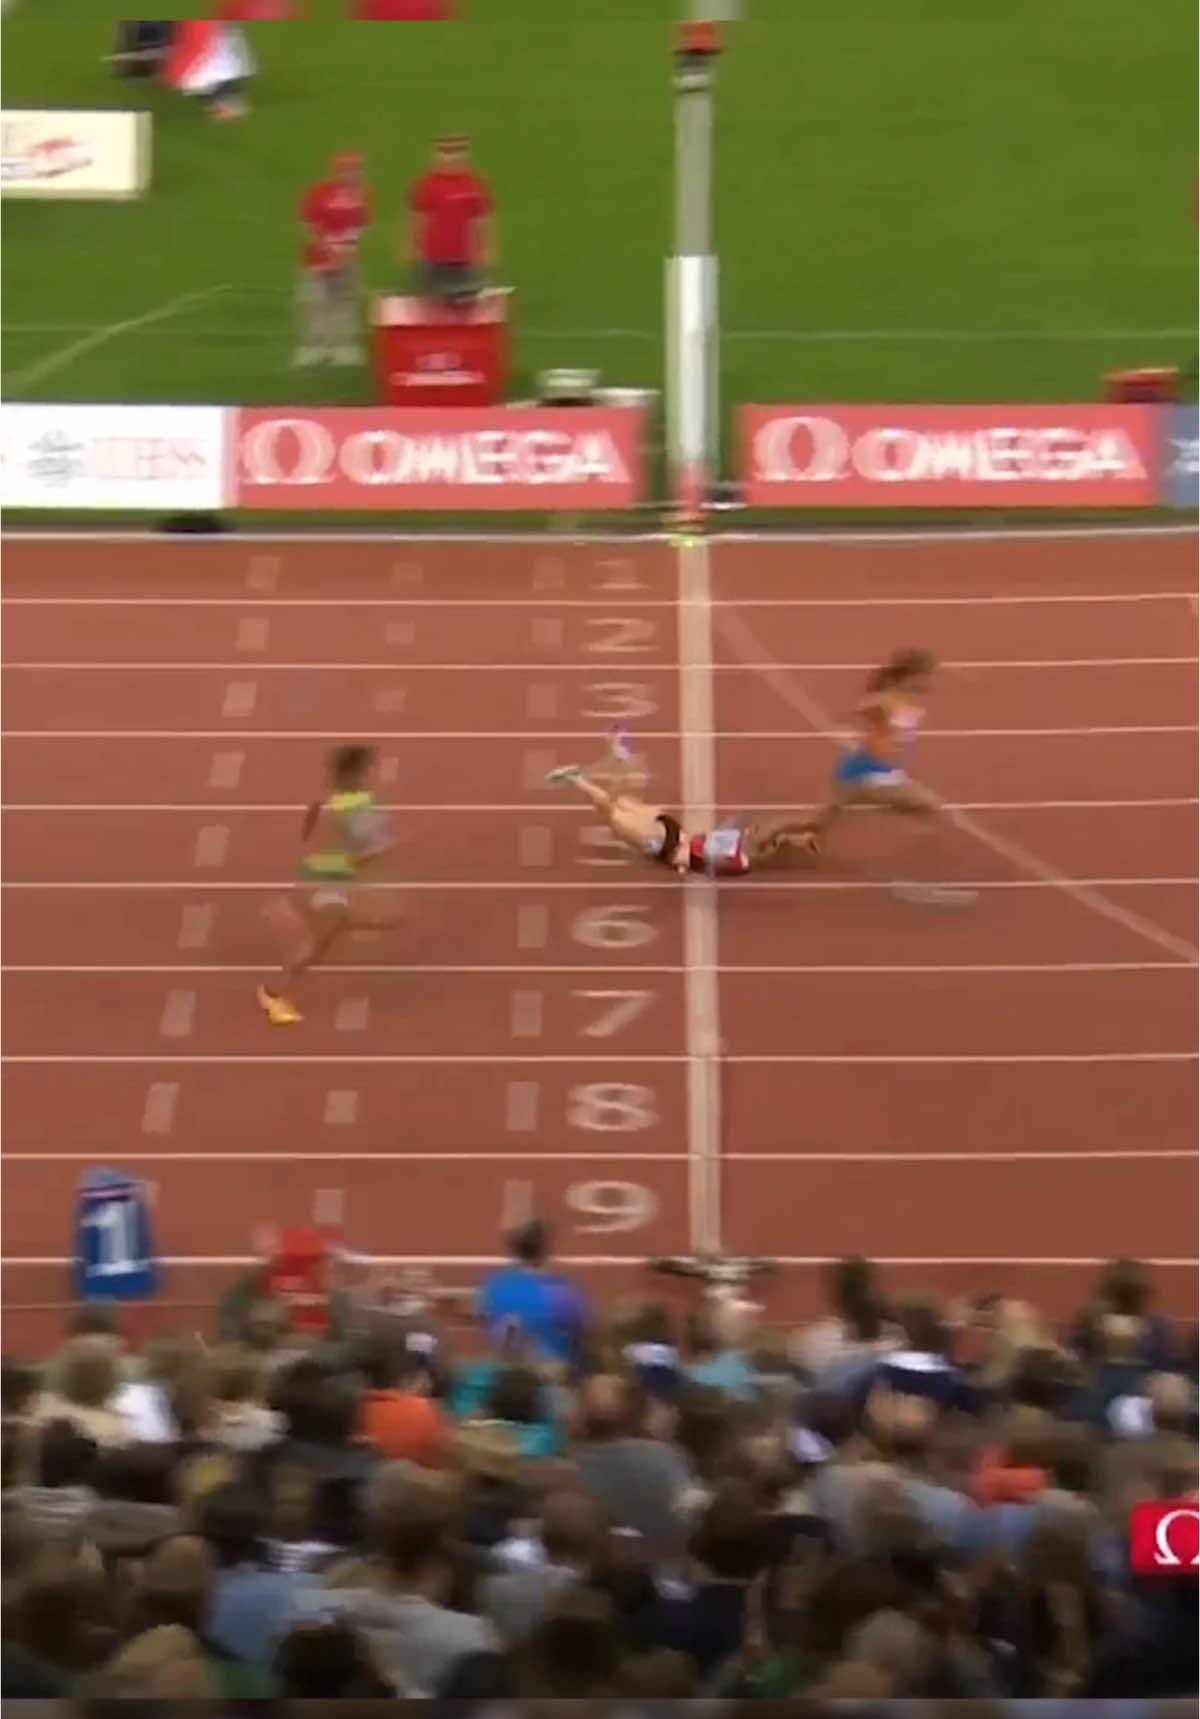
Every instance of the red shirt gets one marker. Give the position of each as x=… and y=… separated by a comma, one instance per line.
x=452, y=205
x=334, y=215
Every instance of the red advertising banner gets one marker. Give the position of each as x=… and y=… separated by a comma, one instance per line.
x=948, y=456
x=489, y=458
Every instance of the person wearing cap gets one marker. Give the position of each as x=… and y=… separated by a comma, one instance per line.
x=450, y=239
x=335, y=212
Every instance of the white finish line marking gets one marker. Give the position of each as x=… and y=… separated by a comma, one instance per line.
x=522, y=1103
x=178, y=1016
x=196, y=927
x=535, y=846
x=533, y=926
x=211, y=849
x=239, y=700
x=525, y=1014
x=252, y=634
x=352, y=1015
x=341, y=1111
x=226, y=770
x=158, y=1111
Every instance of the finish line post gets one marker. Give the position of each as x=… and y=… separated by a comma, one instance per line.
x=691, y=279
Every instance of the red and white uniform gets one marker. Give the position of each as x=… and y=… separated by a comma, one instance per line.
x=720, y=853
x=334, y=216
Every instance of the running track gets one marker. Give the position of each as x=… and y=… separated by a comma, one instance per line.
x=997, y=1096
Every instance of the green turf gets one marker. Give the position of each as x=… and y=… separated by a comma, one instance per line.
x=990, y=200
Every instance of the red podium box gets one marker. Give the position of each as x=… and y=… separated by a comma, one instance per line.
x=432, y=354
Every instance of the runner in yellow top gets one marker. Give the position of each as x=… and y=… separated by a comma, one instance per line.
x=342, y=833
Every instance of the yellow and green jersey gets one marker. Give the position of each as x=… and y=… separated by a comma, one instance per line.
x=347, y=827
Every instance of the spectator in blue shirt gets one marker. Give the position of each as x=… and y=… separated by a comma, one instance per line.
x=527, y=1299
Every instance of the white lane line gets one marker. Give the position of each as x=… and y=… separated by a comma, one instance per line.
x=726, y=969
x=178, y=1018
x=577, y=736
x=352, y=1015
x=341, y=1111
x=239, y=699
x=549, y=809
x=698, y=768
x=363, y=666
x=892, y=600
x=797, y=697
x=533, y=926
x=522, y=1104
x=1083, y=1156
x=211, y=849
x=196, y=927
x=832, y=535
x=633, y=1261
x=535, y=846
x=252, y=634
x=158, y=1110
x=626, y=1058
x=811, y=886
x=525, y=1014
x=226, y=768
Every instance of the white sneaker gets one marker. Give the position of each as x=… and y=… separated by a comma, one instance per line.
x=564, y=773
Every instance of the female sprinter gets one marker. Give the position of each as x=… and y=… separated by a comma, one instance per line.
x=343, y=833
x=872, y=773
x=728, y=851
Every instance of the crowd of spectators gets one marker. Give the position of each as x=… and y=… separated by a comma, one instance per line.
x=633, y=1504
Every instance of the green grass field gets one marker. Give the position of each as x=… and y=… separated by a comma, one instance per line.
x=984, y=201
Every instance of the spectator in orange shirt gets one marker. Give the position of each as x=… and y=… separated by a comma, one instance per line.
x=335, y=213
x=398, y=1416
x=450, y=236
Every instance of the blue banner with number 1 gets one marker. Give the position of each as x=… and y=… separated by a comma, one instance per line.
x=114, y=1241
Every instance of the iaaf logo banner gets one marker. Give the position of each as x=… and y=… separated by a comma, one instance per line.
x=1164, y=1538
x=949, y=456
x=485, y=458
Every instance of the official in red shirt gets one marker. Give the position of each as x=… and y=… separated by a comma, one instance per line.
x=450, y=236
x=335, y=213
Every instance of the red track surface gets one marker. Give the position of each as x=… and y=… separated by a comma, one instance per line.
x=999, y=1096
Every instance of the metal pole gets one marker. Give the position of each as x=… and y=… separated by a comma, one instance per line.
x=692, y=429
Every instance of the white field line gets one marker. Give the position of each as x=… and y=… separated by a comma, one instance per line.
x=824, y=724
x=1023, y=599
x=631, y=1261
x=797, y=336
x=1083, y=1155
x=548, y=808
x=810, y=886
x=99, y=334
x=698, y=768
x=399, y=666
x=886, y=538
x=805, y=735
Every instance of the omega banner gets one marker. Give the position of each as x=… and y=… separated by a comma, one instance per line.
x=487, y=458
x=949, y=456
